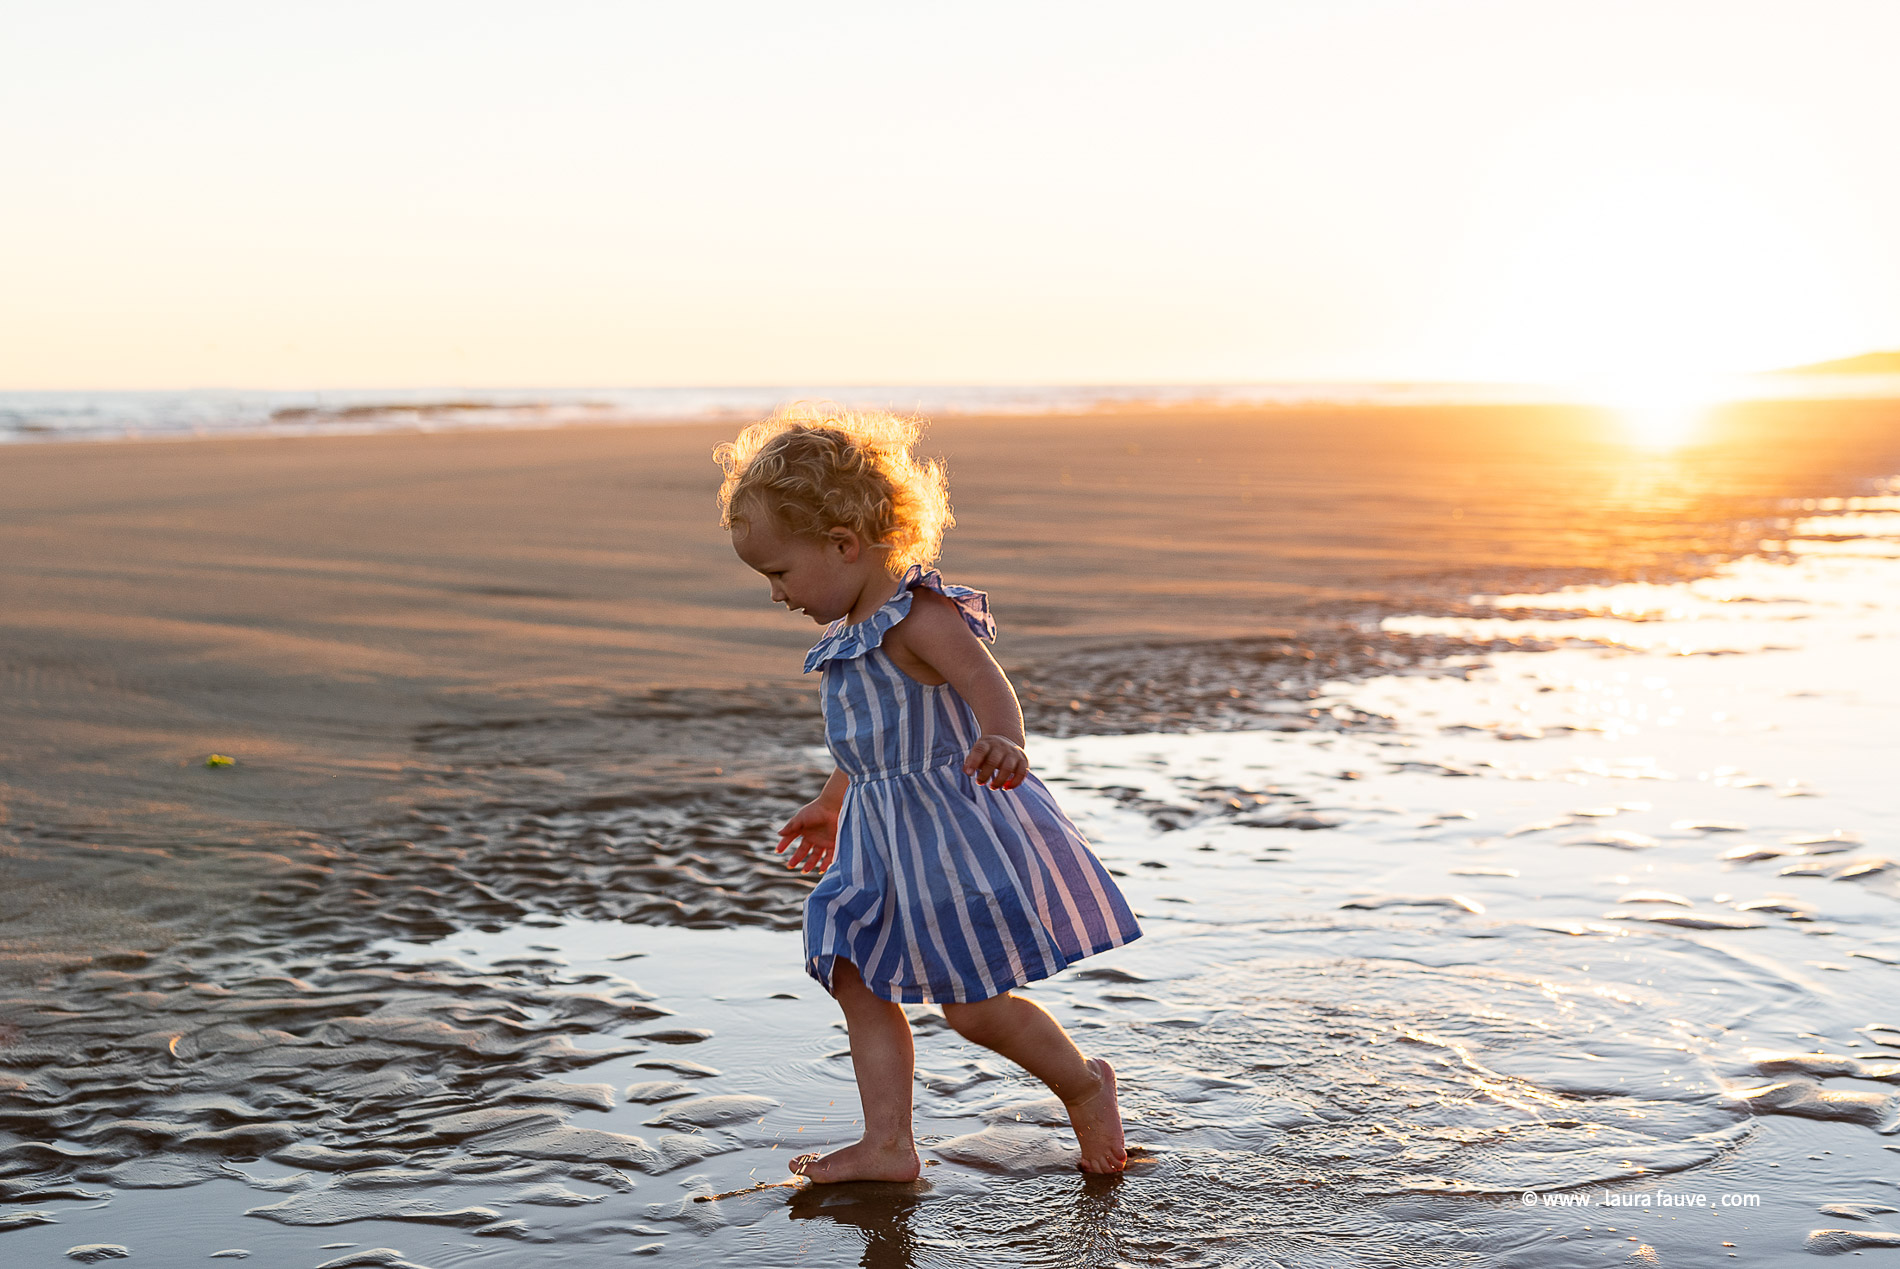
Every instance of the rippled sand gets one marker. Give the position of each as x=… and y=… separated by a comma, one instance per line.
x=1609, y=922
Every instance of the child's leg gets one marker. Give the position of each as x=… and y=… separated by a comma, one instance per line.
x=884, y=1059
x=1022, y=1031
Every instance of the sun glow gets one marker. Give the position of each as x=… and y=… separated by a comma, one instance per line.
x=1657, y=413
x=1638, y=248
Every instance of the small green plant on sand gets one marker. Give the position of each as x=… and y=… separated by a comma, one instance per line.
x=219, y=760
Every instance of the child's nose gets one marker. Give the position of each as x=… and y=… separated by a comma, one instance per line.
x=778, y=593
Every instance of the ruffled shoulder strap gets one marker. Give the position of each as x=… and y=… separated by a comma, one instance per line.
x=842, y=642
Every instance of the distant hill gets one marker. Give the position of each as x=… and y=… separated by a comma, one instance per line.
x=1873, y=363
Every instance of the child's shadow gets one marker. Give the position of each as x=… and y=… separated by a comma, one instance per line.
x=885, y=1212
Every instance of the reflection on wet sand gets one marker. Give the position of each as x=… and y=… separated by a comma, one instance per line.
x=1073, y=1224
x=882, y=1213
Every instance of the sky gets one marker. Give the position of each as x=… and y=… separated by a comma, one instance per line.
x=414, y=194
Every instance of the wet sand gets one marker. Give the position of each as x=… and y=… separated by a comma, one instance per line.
x=313, y=606
x=506, y=713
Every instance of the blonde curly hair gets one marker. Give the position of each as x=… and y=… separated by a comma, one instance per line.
x=812, y=466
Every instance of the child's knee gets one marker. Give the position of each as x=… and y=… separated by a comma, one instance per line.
x=848, y=987
x=981, y=1023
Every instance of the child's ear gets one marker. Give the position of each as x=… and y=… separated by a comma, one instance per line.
x=845, y=542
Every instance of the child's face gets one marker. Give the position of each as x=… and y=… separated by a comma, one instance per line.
x=808, y=575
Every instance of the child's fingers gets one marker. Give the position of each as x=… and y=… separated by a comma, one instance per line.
x=1011, y=769
x=810, y=855
x=996, y=764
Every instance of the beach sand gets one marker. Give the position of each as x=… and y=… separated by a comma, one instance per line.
x=309, y=606
x=483, y=683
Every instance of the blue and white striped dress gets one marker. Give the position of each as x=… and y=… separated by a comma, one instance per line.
x=941, y=889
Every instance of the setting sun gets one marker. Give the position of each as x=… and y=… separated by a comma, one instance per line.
x=1655, y=240
x=1656, y=413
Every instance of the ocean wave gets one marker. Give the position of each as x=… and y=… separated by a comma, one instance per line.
x=184, y=414
x=173, y=415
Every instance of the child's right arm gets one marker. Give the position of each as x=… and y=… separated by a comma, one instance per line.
x=815, y=827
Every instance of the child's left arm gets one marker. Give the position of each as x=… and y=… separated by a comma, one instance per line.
x=933, y=639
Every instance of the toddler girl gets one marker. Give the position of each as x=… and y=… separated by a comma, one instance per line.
x=951, y=875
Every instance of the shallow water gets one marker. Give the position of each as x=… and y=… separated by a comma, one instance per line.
x=1562, y=957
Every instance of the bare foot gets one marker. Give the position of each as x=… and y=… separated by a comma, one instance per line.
x=1097, y=1120
x=861, y=1161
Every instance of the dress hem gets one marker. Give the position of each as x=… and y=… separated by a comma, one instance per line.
x=927, y=995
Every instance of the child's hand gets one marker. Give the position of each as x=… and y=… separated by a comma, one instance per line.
x=997, y=762
x=815, y=828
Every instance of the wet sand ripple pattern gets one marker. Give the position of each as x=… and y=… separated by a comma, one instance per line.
x=377, y=1075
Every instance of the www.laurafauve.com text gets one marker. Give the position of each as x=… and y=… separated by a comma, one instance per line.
x=1658, y=1199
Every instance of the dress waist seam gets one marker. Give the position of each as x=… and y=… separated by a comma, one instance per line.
x=894, y=773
